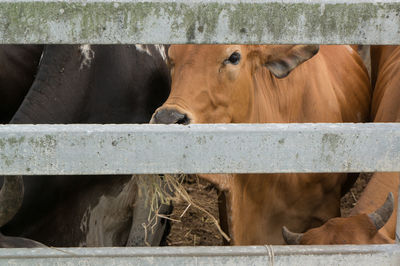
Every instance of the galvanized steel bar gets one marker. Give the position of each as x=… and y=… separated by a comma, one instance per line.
x=200, y=21
x=251, y=255
x=223, y=148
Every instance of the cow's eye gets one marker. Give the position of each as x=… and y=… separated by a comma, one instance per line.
x=233, y=59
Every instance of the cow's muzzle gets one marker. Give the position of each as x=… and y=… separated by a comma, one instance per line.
x=170, y=116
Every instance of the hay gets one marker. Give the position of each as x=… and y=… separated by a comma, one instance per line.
x=167, y=189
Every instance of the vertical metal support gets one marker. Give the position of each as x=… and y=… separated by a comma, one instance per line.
x=397, y=236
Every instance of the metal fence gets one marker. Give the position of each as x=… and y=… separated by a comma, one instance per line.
x=115, y=149
x=200, y=21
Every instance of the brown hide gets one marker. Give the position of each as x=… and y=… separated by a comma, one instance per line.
x=352, y=230
x=358, y=228
x=385, y=63
x=371, y=199
x=208, y=86
x=386, y=70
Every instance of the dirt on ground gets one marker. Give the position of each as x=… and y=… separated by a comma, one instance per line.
x=195, y=228
x=351, y=197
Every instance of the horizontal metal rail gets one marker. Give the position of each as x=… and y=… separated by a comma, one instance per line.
x=200, y=21
x=253, y=255
x=213, y=148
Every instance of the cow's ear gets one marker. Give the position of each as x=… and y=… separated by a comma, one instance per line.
x=281, y=63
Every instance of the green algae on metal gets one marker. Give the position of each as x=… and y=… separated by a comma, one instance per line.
x=107, y=22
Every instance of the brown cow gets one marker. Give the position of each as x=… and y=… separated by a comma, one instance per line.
x=361, y=228
x=247, y=84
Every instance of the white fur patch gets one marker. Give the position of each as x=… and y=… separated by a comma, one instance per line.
x=87, y=55
x=161, y=49
x=158, y=47
x=84, y=225
x=143, y=48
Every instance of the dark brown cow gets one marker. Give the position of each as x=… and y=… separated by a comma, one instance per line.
x=18, y=66
x=361, y=228
x=87, y=84
x=18, y=242
x=248, y=84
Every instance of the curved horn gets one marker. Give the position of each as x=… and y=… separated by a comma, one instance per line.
x=290, y=237
x=11, y=196
x=380, y=217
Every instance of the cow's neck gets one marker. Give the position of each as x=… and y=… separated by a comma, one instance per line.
x=274, y=102
x=294, y=99
x=274, y=200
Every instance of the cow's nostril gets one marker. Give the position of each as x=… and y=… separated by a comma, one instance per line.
x=170, y=116
x=184, y=120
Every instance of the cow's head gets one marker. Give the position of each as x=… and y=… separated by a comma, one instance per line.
x=215, y=83
x=358, y=229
